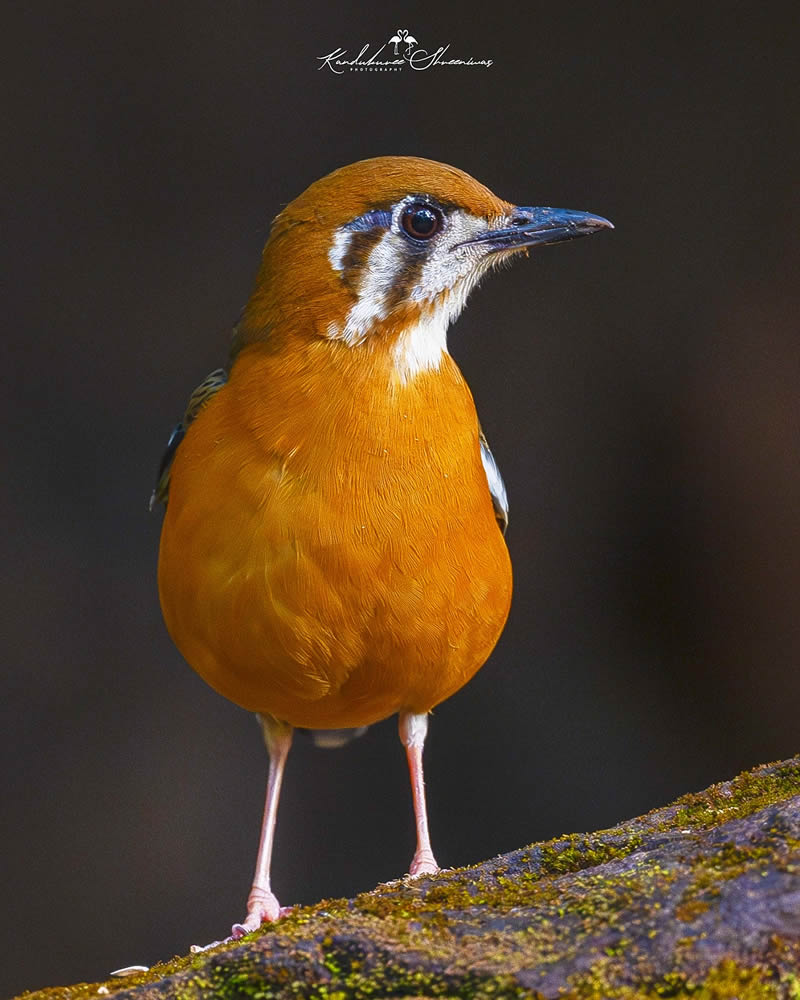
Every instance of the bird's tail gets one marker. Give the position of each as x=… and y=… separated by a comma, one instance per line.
x=331, y=739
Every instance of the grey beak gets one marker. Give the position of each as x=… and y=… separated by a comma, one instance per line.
x=537, y=226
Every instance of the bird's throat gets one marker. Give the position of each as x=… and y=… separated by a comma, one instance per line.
x=420, y=346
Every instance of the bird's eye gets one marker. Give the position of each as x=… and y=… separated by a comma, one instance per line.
x=421, y=221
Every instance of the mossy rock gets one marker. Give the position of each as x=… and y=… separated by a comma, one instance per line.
x=700, y=898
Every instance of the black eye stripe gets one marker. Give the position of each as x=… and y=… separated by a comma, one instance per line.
x=359, y=247
x=420, y=219
x=403, y=283
x=378, y=219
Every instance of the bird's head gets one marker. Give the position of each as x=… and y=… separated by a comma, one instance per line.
x=387, y=250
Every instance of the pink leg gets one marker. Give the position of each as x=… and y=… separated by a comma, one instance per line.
x=413, y=729
x=262, y=905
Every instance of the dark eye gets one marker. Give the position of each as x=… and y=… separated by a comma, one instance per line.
x=421, y=221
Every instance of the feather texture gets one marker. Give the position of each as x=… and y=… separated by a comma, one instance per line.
x=497, y=488
x=198, y=399
x=330, y=553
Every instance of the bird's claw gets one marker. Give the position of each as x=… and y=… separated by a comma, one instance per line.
x=424, y=863
x=195, y=949
x=262, y=908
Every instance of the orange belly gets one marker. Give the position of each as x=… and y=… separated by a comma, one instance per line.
x=329, y=553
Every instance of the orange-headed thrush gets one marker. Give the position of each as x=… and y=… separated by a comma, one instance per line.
x=332, y=551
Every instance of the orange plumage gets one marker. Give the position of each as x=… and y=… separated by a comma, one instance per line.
x=330, y=553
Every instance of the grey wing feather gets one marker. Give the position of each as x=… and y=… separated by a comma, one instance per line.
x=201, y=395
x=497, y=488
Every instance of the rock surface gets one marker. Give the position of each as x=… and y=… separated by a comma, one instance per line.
x=700, y=898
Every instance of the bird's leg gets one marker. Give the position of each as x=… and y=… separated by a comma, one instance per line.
x=262, y=905
x=413, y=728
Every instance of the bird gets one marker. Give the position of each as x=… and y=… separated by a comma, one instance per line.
x=332, y=550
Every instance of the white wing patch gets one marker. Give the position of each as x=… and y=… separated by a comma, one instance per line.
x=497, y=488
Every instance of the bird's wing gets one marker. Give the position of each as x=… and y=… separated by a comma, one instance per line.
x=497, y=488
x=201, y=395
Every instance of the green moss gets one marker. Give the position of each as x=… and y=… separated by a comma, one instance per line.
x=574, y=853
x=741, y=797
x=726, y=981
x=435, y=928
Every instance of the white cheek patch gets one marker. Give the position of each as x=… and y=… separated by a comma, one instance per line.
x=453, y=270
x=382, y=268
x=442, y=285
x=420, y=347
x=340, y=248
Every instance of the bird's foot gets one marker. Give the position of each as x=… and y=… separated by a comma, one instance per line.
x=424, y=863
x=262, y=907
x=239, y=930
x=195, y=949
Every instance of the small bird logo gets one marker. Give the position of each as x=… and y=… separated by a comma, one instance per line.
x=402, y=37
x=332, y=551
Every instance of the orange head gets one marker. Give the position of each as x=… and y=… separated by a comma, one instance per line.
x=387, y=245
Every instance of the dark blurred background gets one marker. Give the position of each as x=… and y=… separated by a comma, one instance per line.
x=640, y=392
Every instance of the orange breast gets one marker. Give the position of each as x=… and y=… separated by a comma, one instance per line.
x=329, y=553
